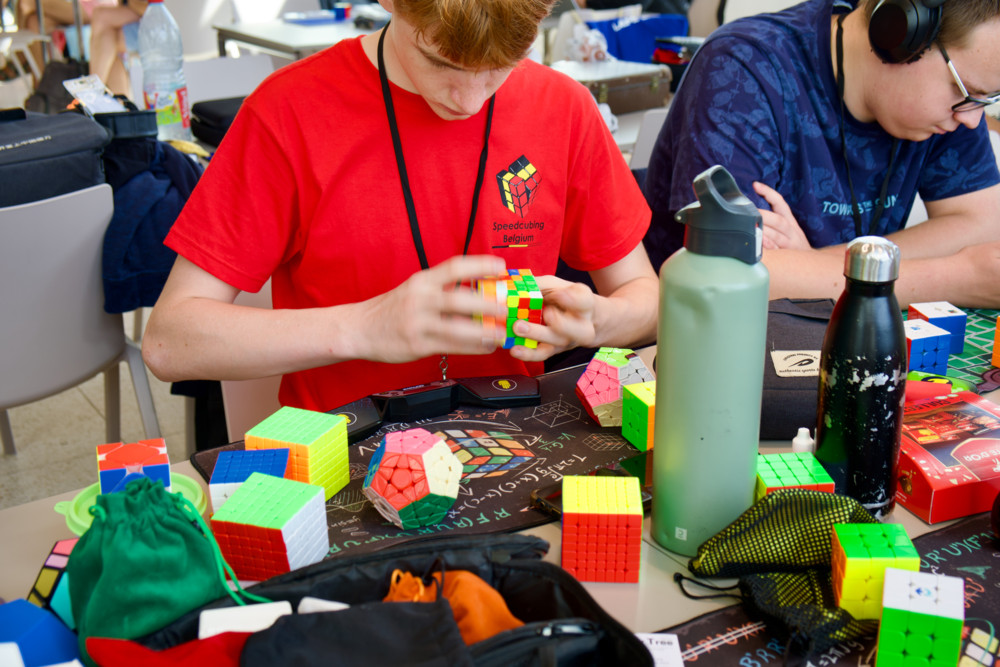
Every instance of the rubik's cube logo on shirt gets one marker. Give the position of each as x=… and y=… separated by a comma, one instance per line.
x=518, y=185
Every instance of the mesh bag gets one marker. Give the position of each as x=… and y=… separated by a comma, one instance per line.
x=780, y=549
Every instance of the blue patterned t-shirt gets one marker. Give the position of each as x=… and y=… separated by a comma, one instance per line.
x=760, y=99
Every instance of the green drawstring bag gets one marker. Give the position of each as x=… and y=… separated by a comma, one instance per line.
x=146, y=559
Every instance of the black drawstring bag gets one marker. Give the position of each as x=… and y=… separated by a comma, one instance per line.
x=780, y=549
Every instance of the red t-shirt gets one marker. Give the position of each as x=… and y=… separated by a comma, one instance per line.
x=305, y=189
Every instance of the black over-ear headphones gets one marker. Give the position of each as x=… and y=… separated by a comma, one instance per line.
x=900, y=30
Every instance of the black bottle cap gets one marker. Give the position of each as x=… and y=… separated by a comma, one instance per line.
x=723, y=222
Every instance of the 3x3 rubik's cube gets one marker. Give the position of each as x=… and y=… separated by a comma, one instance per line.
x=601, y=527
x=519, y=292
x=934, y=330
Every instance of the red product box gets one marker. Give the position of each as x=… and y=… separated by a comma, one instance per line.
x=949, y=457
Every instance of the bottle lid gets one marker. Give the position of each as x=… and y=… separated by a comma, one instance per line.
x=872, y=259
x=723, y=222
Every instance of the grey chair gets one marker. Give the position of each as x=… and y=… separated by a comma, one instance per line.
x=54, y=333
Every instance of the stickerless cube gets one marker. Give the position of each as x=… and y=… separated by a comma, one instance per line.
x=233, y=467
x=118, y=460
x=317, y=444
x=271, y=525
x=601, y=527
x=790, y=470
x=600, y=386
x=861, y=554
x=922, y=618
x=51, y=588
x=518, y=291
x=638, y=412
x=944, y=315
x=413, y=478
x=927, y=346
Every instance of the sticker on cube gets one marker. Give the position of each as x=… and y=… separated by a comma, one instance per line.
x=600, y=386
x=861, y=554
x=413, y=478
x=119, y=463
x=317, y=444
x=233, y=467
x=519, y=292
x=942, y=314
x=922, y=619
x=791, y=470
x=271, y=525
x=601, y=527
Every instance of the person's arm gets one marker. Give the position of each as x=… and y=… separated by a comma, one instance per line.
x=196, y=332
x=622, y=314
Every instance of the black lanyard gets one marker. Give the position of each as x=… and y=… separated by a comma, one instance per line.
x=401, y=164
x=855, y=208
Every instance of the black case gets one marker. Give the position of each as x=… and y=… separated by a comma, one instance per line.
x=45, y=156
x=563, y=626
x=211, y=118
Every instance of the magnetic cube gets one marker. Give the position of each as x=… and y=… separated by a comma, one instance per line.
x=271, y=525
x=601, y=527
x=51, y=588
x=922, y=619
x=317, y=444
x=118, y=460
x=519, y=291
x=944, y=315
x=33, y=636
x=518, y=185
x=485, y=453
x=790, y=470
x=927, y=346
x=638, y=412
x=412, y=478
x=600, y=386
x=233, y=467
x=861, y=554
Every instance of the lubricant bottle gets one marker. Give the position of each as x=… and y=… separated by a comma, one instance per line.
x=709, y=367
x=862, y=378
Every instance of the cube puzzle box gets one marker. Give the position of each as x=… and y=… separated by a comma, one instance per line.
x=949, y=458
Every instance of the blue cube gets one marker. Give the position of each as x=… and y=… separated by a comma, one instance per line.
x=944, y=315
x=35, y=635
x=928, y=346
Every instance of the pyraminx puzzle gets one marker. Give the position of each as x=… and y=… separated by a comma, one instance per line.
x=117, y=460
x=271, y=525
x=317, y=444
x=601, y=527
x=861, y=554
x=922, y=619
x=519, y=291
x=600, y=386
x=412, y=478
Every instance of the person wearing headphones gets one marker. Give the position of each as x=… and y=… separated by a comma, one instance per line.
x=372, y=182
x=832, y=119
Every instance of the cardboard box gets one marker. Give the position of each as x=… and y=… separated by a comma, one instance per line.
x=949, y=457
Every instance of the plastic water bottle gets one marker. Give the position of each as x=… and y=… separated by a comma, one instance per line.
x=709, y=367
x=862, y=379
x=164, y=89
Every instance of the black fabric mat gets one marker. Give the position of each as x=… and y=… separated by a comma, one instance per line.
x=965, y=549
x=559, y=434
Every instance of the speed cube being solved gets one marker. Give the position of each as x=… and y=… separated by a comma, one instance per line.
x=519, y=291
x=271, y=525
x=317, y=444
x=600, y=386
x=601, y=527
x=790, y=470
x=638, y=414
x=922, y=619
x=861, y=554
x=118, y=460
x=413, y=478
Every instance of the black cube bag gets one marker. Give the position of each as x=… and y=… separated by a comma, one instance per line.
x=211, y=119
x=563, y=624
x=45, y=156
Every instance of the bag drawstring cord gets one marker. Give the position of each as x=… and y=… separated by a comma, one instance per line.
x=680, y=579
x=221, y=566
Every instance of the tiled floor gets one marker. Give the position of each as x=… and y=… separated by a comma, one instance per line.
x=56, y=437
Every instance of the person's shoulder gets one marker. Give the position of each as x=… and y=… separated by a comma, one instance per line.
x=771, y=32
x=321, y=73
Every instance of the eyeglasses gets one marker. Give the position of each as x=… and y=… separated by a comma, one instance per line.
x=970, y=102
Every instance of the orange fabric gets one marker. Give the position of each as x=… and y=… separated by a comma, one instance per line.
x=480, y=611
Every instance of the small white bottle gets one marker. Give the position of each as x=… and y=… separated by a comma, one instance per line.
x=803, y=441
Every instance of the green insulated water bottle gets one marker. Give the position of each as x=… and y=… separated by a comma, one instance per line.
x=709, y=367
